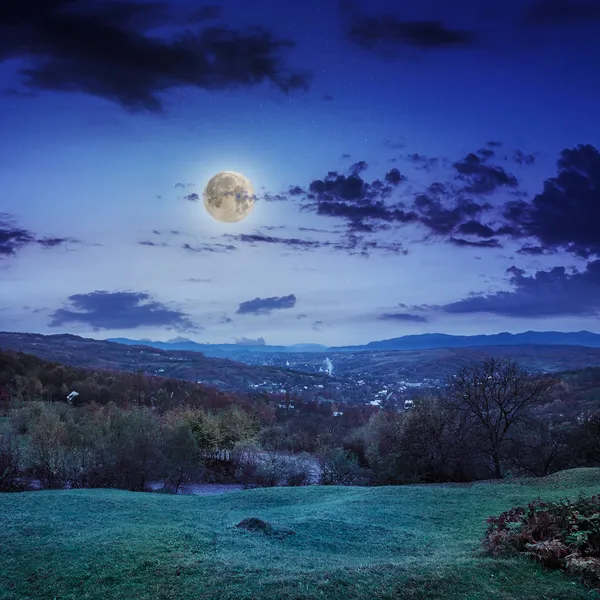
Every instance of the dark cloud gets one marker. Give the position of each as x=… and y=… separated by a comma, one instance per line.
x=442, y=220
x=528, y=250
x=209, y=248
x=103, y=50
x=566, y=214
x=425, y=163
x=394, y=177
x=225, y=321
x=193, y=197
x=482, y=178
x=264, y=306
x=301, y=316
x=184, y=185
x=358, y=167
x=475, y=228
x=486, y=153
x=198, y=280
x=561, y=13
x=244, y=341
x=547, y=293
x=462, y=243
x=268, y=197
x=345, y=155
x=357, y=201
x=296, y=190
x=120, y=310
x=386, y=34
x=153, y=244
x=299, y=244
x=403, y=317
x=494, y=144
x=523, y=159
x=14, y=238
x=52, y=242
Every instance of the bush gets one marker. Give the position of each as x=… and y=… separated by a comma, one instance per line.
x=563, y=534
x=339, y=467
x=260, y=468
x=10, y=463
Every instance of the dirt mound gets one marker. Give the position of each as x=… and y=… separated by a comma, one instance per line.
x=255, y=525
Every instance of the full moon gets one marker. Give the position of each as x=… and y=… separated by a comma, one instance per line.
x=229, y=197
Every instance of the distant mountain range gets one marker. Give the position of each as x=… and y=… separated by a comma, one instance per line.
x=425, y=341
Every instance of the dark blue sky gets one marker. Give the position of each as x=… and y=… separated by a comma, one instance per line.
x=422, y=167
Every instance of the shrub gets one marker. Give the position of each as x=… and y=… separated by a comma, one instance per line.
x=562, y=534
x=10, y=463
x=339, y=467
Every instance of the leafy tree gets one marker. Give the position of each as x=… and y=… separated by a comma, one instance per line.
x=180, y=452
x=46, y=447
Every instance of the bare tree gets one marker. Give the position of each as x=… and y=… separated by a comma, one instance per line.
x=498, y=395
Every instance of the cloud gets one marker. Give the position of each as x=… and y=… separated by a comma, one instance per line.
x=560, y=12
x=103, y=50
x=523, y=159
x=442, y=220
x=475, y=228
x=296, y=243
x=554, y=292
x=358, y=167
x=486, y=153
x=482, y=178
x=193, y=197
x=301, y=316
x=386, y=34
x=184, y=186
x=209, y=248
x=153, y=244
x=120, y=310
x=52, y=242
x=426, y=163
x=264, y=306
x=14, y=238
x=403, y=317
x=356, y=200
x=493, y=243
x=394, y=177
x=244, y=341
x=566, y=214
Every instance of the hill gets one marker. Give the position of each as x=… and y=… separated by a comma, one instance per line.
x=441, y=340
x=350, y=543
x=222, y=373
x=423, y=341
x=217, y=350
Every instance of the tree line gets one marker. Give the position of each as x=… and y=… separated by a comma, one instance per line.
x=125, y=430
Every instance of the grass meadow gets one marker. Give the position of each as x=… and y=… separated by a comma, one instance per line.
x=419, y=541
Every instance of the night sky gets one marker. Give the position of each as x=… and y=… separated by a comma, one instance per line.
x=418, y=167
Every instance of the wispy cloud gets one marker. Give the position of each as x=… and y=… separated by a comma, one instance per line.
x=264, y=306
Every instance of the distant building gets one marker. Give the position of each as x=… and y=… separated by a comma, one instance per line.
x=72, y=395
x=408, y=404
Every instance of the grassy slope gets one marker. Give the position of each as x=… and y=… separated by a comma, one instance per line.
x=350, y=543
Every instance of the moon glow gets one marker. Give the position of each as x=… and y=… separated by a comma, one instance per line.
x=229, y=197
